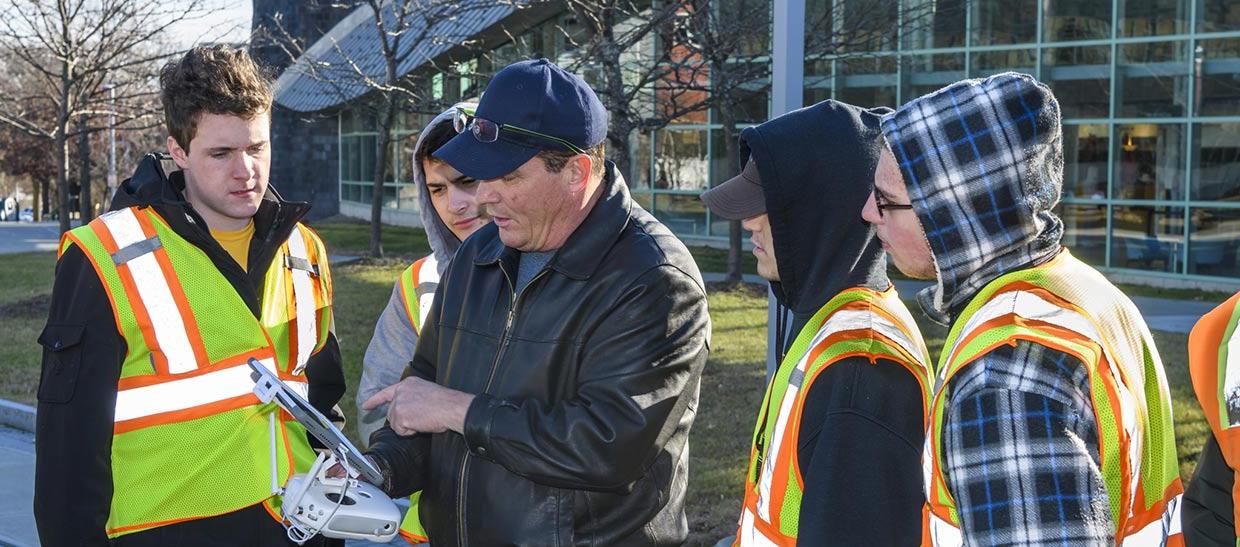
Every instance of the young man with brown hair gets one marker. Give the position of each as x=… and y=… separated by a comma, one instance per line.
x=148, y=430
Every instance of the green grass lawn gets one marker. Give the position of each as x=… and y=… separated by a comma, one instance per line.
x=25, y=287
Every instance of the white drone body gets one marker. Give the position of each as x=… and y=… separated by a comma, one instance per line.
x=315, y=503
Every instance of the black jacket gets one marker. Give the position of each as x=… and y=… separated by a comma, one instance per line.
x=1208, y=503
x=586, y=383
x=861, y=426
x=82, y=355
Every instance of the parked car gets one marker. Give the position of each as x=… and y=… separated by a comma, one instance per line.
x=27, y=215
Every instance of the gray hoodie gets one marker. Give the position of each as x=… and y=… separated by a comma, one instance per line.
x=391, y=348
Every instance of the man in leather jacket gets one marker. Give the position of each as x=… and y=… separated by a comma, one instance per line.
x=556, y=379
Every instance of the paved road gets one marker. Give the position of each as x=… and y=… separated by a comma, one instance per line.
x=21, y=237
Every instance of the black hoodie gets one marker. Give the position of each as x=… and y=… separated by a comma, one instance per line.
x=862, y=429
x=82, y=359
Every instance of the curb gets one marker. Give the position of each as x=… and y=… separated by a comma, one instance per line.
x=17, y=416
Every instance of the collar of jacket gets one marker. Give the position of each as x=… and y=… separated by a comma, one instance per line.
x=585, y=249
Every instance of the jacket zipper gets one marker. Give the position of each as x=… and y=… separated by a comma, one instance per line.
x=513, y=302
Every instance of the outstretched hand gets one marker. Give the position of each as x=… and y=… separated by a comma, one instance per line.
x=419, y=406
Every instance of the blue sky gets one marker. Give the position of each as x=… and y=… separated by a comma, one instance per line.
x=227, y=20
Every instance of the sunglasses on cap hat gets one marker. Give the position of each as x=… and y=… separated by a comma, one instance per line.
x=489, y=131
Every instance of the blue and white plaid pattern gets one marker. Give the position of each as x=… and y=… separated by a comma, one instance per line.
x=983, y=162
x=1021, y=451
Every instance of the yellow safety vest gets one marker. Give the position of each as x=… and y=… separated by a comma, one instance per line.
x=190, y=439
x=1070, y=307
x=417, y=288
x=856, y=322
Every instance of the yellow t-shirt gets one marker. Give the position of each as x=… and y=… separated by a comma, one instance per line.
x=237, y=243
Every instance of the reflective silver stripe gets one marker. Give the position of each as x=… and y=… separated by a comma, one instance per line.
x=796, y=378
x=749, y=535
x=296, y=263
x=187, y=393
x=943, y=533
x=426, y=280
x=1155, y=533
x=839, y=321
x=154, y=293
x=303, y=296
x=136, y=250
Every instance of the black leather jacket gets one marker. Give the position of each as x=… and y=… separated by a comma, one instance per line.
x=587, y=386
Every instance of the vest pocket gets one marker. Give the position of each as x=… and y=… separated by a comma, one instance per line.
x=62, y=356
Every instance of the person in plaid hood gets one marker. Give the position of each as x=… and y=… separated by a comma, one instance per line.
x=964, y=195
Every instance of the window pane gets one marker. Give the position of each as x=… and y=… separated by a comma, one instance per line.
x=751, y=103
x=1081, y=78
x=1220, y=77
x=645, y=199
x=867, y=81
x=680, y=161
x=366, y=151
x=354, y=158
x=1085, y=231
x=1214, y=242
x=866, y=25
x=1218, y=15
x=389, y=197
x=1066, y=20
x=929, y=73
x=1153, y=79
x=641, y=160
x=817, y=79
x=1153, y=17
x=404, y=160
x=1085, y=150
x=932, y=24
x=407, y=196
x=1147, y=238
x=1149, y=162
x=681, y=213
x=1216, y=175
x=1004, y=22
x=987, y=63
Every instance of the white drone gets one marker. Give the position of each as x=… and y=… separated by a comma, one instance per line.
x=315, y=503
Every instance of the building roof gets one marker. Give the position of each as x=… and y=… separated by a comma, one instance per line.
x=348, y=61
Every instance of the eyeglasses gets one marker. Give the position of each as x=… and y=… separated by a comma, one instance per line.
x=881, y=203
x=488, y=131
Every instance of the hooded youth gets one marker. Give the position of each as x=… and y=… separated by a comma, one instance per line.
x=391, y=347
x=861, y=426
x=983, y=163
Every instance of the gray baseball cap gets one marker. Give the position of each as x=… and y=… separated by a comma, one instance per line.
x=739, y=197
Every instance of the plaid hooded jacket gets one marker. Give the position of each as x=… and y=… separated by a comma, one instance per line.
x=983, y=163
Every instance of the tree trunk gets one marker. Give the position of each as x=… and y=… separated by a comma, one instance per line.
x=387, y=118
x=619, y=144
x=732, y=149
x=42, y=199
x=86, y=210
x=64, y=206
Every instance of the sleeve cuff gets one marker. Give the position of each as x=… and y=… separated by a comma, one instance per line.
x=478, y=424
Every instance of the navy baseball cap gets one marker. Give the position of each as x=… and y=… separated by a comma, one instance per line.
x=535, y=96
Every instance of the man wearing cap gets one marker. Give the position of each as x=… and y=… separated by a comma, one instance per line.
x=836, y=450
x=556, y=378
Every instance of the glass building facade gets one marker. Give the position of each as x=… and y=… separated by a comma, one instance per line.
x=1149, y=91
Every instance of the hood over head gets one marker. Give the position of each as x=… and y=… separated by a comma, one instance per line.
x=443, y=242
x=983, y=163
x=817, y=169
